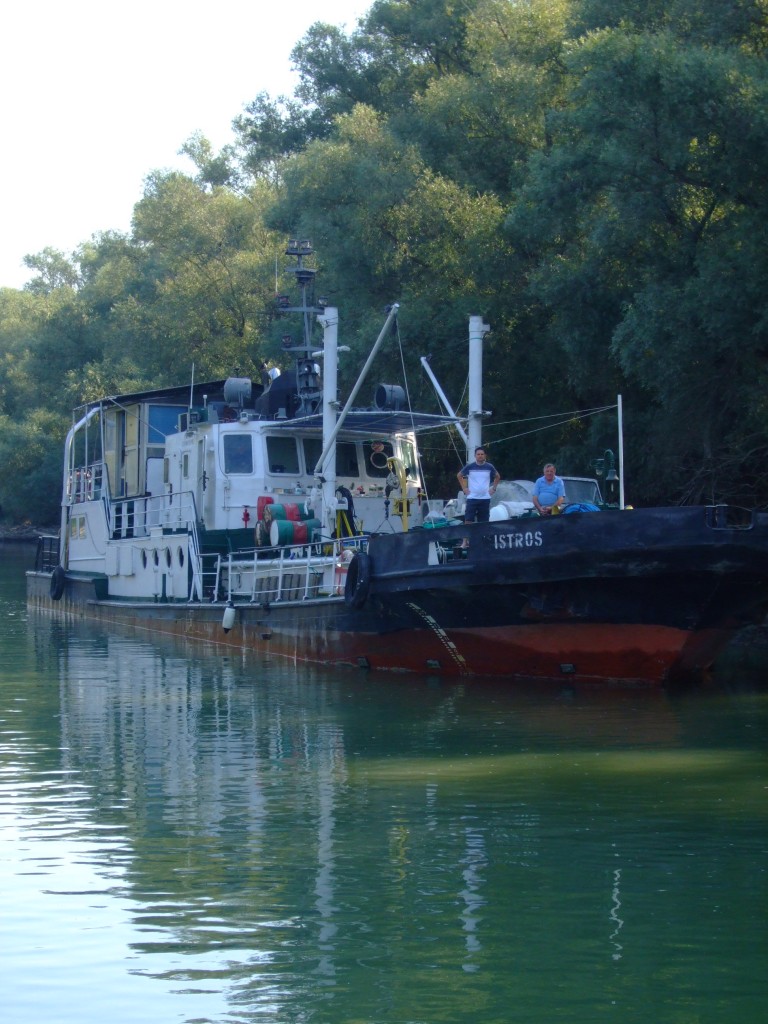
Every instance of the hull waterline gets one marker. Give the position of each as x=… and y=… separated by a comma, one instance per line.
x=327, y=633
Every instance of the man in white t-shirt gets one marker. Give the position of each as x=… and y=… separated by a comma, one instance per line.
x=478, y=481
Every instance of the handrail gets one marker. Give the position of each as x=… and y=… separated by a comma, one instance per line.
x=306, y=560
x=137, y=516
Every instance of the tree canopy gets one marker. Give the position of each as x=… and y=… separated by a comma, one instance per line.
x=589, y=175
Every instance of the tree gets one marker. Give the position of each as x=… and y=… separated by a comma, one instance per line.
x=397, y=49
x=30, y=485
x=206, y=279
x=214, y=170
x=717, y=23
x=481, y=123
x=649, y=193
x=55, y=270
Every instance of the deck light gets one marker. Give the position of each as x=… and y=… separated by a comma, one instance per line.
x=611, y=476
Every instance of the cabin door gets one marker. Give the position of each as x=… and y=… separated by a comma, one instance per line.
x=155, y=483
x=204, y=484
x=131, y=462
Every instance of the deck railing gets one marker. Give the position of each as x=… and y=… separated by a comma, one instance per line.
x=86, y=483
x=293, y=573
x=137, y=517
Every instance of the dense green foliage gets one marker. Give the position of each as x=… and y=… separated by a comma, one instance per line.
x=589, y=175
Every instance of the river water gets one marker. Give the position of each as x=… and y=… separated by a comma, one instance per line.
x=194, y=837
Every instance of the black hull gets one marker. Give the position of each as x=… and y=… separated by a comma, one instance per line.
x=642, y=597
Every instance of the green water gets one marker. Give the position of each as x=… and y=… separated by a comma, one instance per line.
x=193, y=837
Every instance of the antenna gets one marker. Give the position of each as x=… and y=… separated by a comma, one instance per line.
x=307, y=371
x=192, y=386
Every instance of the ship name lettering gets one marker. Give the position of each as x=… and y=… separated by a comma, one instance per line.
x=524, y=539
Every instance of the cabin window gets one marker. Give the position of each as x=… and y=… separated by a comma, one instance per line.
x=410, y=461
x=163, y=420
x=110, y=433
x=313, y=449
x=238, y=453
x=282, y=455
x=376, y=455
x=185, y=465
x=346, y=459
x=346, y=456
x=77, y=528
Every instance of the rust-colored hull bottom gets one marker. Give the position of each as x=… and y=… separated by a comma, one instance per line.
x=634, y=654
x=321, y=632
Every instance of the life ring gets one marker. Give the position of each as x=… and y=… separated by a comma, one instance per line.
x=378, y=456
x=58, y=582
x=358, y=582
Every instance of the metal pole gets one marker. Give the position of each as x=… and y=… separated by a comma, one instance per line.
x=475, y=426
x=444, y=400
x=353, y=395
x=620, y=419
x=327, y=465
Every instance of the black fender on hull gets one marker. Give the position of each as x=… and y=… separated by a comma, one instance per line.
x=58, y=583
x=358, y=582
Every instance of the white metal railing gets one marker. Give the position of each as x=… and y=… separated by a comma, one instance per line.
x=134, y=516
x=137, y=517
x=294, y=572
x=86, y=483
x=205, y=568
x=297, y=572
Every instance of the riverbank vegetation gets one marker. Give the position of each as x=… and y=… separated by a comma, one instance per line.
x=589, y=175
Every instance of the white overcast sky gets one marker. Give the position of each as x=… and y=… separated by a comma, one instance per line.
x=95, y=94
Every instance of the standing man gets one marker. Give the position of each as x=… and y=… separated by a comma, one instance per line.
x=548, y=492
x=478, y=481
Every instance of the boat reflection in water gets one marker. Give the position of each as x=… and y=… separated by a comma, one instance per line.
x=306, y=846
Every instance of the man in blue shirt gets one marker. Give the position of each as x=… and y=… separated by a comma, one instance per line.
x=478, y=481
x=548, y=492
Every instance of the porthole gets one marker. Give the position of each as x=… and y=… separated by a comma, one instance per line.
x=180, y=556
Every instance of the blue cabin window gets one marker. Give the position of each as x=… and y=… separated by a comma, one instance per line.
x=282, y=455
x=238, y=453
x=163, y=420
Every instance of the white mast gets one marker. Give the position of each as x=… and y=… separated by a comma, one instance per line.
x=333, y=425
x=477, y=329
x=326, y=467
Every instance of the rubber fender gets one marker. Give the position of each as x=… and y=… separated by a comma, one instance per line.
x=58, y=582
x=358, y=584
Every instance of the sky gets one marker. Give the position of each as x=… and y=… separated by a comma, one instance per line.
x=96, y=94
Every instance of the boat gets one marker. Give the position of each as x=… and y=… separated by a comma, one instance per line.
x=263, y=516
